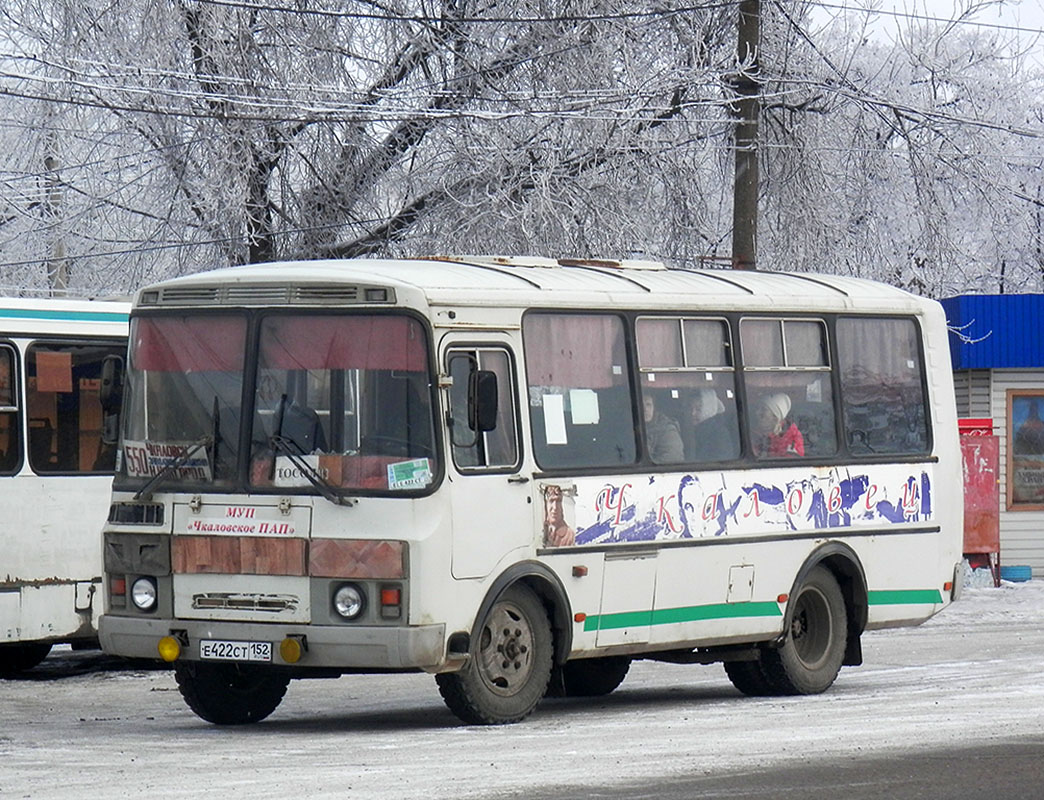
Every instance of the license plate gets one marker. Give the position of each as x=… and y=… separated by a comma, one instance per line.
x=221, y=650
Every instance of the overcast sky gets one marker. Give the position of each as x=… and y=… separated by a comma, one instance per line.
x=1022, y=18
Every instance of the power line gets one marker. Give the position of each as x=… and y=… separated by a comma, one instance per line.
x=390, y=16
x=581, y=111
x=971, y=23
x=623, y=15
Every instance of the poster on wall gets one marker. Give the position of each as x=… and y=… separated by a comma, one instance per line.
x=1025, y=448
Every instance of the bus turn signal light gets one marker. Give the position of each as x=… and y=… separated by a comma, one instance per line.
x=169, y=648
x=391, y=602
x=290, y=649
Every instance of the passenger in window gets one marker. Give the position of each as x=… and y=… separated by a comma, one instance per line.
x=775, y=435
x=711, y=433
x=662, y=434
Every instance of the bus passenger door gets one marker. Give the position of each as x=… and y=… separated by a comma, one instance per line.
x=491, y=508
x=628, y=586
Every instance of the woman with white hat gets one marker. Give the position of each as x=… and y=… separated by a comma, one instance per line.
x=775, y=436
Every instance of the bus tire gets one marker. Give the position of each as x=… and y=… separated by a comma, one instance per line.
x=229, y=694
x=594, y=677
x=509, y=665
x=750, y=678
x=810, y=657
x=15, y=658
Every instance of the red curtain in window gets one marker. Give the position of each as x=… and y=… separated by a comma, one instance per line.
x=659, y=343
x=343, y=342
x=885, y=349
x=188, y=344
x=6, y=379
x=580, y=351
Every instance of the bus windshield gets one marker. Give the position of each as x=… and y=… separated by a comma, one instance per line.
x=337, y=402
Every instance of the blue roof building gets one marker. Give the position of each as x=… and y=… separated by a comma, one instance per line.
x=997, y=350
x=997, y=331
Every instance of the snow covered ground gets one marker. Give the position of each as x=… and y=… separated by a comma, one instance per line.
x=971, y=674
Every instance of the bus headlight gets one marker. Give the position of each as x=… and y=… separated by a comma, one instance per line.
x=349, y=601
x=143, y=594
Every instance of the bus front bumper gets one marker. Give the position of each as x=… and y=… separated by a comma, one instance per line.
x=325, y=646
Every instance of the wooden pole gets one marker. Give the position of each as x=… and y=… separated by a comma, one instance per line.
x=747, y=109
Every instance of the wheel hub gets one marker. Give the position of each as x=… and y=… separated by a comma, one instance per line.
x=505, y=650
x=810, y=628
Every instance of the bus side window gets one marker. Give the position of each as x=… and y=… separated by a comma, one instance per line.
x=786, y=368
x=882, y=387
x=66, y=418
x=581, y=411
x=10, y=440
x=496, y=448
x=685, y=366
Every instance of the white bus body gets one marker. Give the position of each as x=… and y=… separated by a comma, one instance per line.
x=55, y=470
x=493, y=469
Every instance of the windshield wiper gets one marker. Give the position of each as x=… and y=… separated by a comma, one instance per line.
x=145, y=492
x=290, y=449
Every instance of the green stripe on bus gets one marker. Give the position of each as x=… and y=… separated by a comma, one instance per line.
x=897, y=597
x=667, y=616
x=64, y=316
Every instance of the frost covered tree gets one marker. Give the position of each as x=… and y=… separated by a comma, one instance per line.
x=241, y=131
x=916, y=162
x=149, y=138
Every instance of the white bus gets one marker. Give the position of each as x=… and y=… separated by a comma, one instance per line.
x=499, y=471
x=55, y=470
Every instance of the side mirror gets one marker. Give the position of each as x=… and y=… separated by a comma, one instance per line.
x=482, y=400
x=110, y=395
x=111, y=391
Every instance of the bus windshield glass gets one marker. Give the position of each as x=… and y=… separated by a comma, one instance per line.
x=340, y=402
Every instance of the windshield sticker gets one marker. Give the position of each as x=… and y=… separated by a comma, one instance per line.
x=148, y=459
x=288, y=474
x=414, y=474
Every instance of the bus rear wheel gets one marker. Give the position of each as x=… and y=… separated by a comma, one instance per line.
x=810, y=657
x=509, y=665
x=750, y=678
x=229, y=694
x=15, y=658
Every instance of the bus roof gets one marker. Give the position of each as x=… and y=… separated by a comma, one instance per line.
x=59, y=315
x=526, y=282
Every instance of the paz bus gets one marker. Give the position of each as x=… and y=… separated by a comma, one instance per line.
x=498, y=470
x=57, y=454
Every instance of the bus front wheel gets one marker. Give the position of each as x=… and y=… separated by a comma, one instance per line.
x=15, y=658
x=229, y=694
x=810, y=657
x=509, y=665
x=594, y=677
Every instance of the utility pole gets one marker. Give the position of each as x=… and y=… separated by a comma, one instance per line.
x=57, y=264
x=747, y=109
